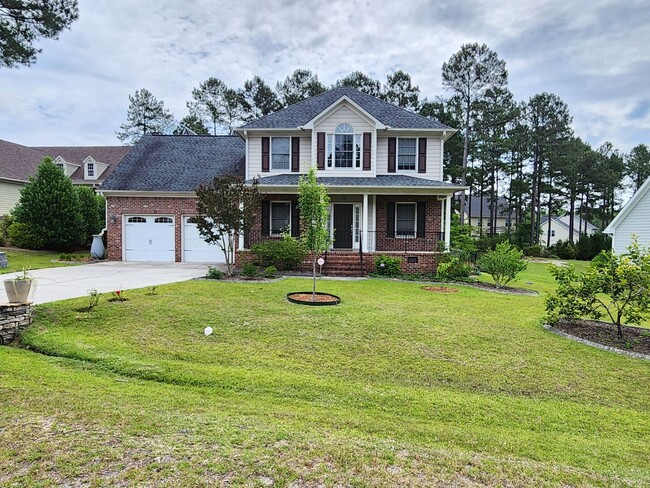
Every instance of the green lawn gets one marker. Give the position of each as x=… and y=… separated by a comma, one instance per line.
x=20, y=258
x=397, y=386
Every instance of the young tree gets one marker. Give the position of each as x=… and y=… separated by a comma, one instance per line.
x=314, y=205
x=226, y=208
x=401, y=91
x=468, y=74
x=49, y=208
x=617, y=286
x=146, y=115
x=361, y=82
x=259, y=99
x=503, y=264
x=190, y=125
x=22, y=23
x=209, y=103
x=298, y=86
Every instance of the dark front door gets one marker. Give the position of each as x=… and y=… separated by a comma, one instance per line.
x=343, y=225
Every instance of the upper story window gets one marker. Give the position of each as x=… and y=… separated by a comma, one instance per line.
x=406, y=153
x=60, y=166
x=90, y=169
x=280, y=152
x=344, y=148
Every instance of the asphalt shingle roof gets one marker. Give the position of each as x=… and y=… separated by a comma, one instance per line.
x=300, y=113
x=380, y=180
x=177, y=163
x=18, y=162
x=110, y=155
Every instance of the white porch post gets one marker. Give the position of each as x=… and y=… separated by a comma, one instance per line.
x=448, y=223
x=364, y=225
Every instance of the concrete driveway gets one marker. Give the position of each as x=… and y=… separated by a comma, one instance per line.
x=54, y=284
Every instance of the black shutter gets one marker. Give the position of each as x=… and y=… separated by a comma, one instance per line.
x=295, y=219
x=422, y=217
x=367, y=146
x=422, y=155
x=266, y=218
x=390, y=219
x=320, y=150
x=295, y=154
x=266, y=143
x=392, y=150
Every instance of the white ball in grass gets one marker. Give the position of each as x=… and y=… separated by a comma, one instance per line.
x=208, y=331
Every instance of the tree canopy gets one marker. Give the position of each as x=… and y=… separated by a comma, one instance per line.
x=146, y=115
x=22, y=23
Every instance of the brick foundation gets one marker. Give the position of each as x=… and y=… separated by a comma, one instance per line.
x=13, y=319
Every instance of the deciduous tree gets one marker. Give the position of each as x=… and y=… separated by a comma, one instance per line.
x=22, y=23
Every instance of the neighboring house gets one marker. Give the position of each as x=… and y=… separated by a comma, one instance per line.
x=473, y=206
x=560, y=229
x=633, y=219
x=84, y=165
x=382, y=166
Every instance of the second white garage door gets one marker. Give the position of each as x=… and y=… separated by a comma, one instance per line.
x=195, y=249
x=149, y=238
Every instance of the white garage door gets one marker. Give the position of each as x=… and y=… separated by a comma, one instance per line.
x=149, y=238
x=195, y=249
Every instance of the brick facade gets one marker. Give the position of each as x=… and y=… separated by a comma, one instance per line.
x=120, y=206
x=432, y=225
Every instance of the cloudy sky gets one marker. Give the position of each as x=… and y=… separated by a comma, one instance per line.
x=594, y=54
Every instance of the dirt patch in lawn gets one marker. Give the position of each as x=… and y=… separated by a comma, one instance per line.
x=635, y=339
x=440, y=289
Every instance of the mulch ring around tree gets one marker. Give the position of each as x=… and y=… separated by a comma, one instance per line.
x=635, y=339
x=307, y=298
x=440, y=289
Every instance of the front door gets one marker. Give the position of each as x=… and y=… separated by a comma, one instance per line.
x=343, y=225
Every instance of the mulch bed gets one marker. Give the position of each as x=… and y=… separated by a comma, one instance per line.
x=636, y=339
x=440, y=289
x=307, y=297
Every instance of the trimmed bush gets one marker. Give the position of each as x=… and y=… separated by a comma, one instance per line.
x=250, y=270
x=270, y=271
x=388, y=266
x=453, y=269
x=215, y=274
x=25, y=236
x=563, y=249
x=503, y=264
x=285, y=254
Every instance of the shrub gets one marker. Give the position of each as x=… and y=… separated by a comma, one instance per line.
x=589, y=246
x=270, y=271
x=5, y=222
x=563, y=249
x=503, y=264
x=285, y=254
x=535, y=251
x=215, y=274
x=25, y=236
x=453, y=269
x=250, y=270
x=91, y=207
x=388, y=266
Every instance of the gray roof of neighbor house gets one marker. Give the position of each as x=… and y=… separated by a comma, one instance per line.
x=477, y=202
x=298, y=114
x=177, y=163
x=18, y=162
x=110, y=155
x=377, y=181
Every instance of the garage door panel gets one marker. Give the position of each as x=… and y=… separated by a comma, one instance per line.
x=195, y=249
x=149, y=238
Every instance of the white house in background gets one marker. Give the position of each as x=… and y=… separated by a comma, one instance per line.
x=560, y=229
x=634, y=218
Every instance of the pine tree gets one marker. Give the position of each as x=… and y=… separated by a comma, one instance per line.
x=298, y=86
x=400, y=90
x=146, y=115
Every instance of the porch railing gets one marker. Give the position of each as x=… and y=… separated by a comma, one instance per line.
x=380, y=241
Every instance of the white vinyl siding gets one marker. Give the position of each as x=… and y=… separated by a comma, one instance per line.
x=9, y=196
x=637, y=221
x=254, y=162
x=434, y=162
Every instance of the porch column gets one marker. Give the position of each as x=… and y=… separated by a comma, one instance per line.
x=364, y=225
x=240, y=237
x=448, y=223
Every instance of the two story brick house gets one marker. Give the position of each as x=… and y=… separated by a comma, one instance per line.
x=382, y=166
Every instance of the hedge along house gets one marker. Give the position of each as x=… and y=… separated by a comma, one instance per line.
x=382, y=166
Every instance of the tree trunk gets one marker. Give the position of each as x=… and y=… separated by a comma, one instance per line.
x=464, y=174
x=313, y=294
x=572, y=208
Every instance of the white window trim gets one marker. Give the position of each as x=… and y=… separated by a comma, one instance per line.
x=330, y=222
x=271, y=168
x=417, y=146
x=330, y=148
x=415, y=221
x=271, y=233
x=90, y=166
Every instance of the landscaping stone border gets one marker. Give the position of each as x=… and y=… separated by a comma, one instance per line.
x=636, y=355
x=14, y=317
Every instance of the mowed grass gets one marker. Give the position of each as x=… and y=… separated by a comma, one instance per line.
x=397, y=386
x=19, y=259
